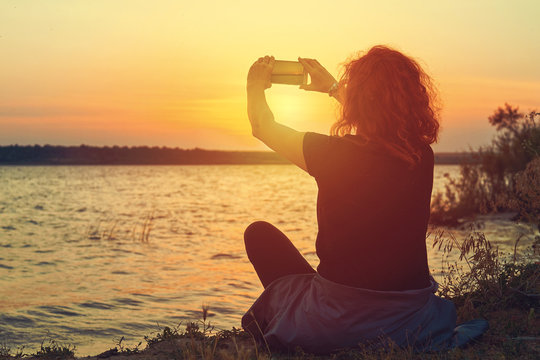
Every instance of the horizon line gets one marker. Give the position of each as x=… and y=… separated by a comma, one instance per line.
x=177, y=148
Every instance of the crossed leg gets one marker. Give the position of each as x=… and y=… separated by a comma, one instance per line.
x=272, y=253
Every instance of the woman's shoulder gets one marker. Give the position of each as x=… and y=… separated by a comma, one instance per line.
x=352, y=147
x=331, y=154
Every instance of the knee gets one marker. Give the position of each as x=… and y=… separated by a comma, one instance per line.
x=256, y=229
x=256, y=232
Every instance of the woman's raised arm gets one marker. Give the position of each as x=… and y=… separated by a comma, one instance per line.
x=285, y=141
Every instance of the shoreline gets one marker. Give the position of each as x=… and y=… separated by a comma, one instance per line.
x=143, y=155
x=513, y=334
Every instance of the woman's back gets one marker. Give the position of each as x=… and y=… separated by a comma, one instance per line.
x=372, y=210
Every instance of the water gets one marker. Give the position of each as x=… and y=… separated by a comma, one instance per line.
x=89, y=254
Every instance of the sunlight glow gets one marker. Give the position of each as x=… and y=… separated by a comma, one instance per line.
x=173, y=72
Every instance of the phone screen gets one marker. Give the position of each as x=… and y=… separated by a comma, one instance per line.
x=288, y=72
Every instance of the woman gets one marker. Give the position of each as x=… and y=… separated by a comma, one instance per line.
x=375, y=176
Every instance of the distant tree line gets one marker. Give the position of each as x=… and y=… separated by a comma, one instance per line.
x=144, y=155
x=137, y=155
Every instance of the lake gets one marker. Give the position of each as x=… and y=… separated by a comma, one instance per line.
x=89, y=254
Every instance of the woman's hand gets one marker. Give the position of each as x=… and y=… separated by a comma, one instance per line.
x=321, y=79
x=259, y=79
x=260, y=73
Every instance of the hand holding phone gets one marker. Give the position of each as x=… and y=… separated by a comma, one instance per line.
x=321, y=79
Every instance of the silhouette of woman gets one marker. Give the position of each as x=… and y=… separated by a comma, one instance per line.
x=375, y=177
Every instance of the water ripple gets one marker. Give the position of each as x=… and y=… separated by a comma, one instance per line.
x=60, y=310
x=224, y=256
x=128, y=301
x=45, y=263
x=16, y=321
x=96, y=305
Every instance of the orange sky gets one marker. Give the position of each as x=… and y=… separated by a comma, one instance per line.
x=173, y=73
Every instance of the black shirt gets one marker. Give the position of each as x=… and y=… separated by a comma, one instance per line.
x=372, y=211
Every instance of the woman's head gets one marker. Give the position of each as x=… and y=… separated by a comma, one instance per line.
x=390, y=100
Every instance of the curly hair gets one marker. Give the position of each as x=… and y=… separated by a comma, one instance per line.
x=391, y=101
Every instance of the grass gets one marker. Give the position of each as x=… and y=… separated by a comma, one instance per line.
x=48, y=351
x=490, y=283
x=54, y=350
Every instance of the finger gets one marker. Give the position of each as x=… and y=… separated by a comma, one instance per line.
x=315, y=64
x=311, y=64
x=303, y=62
x=306, y=64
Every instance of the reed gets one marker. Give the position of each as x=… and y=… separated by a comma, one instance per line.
x=96, y=232
x=111, y=230
x=147, y=227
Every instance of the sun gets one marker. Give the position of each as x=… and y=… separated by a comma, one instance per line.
x=288, y=103
x=302, y=110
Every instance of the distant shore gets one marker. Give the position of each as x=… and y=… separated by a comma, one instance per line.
x=144, y=155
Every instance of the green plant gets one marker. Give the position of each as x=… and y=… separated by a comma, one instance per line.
x=490, y=180
x=54, y=350
x=526, y=199
x=488, y=282
x=199, y=340
x=122, y=349
x=5, y=352
x=166, y=334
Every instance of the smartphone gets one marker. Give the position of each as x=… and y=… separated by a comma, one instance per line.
x=288, y=72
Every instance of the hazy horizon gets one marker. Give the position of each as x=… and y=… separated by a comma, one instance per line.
x=179, y=147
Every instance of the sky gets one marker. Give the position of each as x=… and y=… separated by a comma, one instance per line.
x=172, y=72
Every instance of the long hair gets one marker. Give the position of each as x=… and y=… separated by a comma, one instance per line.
x=391, y=101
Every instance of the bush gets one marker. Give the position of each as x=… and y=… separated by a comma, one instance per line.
x=502, y=176
x=526, y=200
